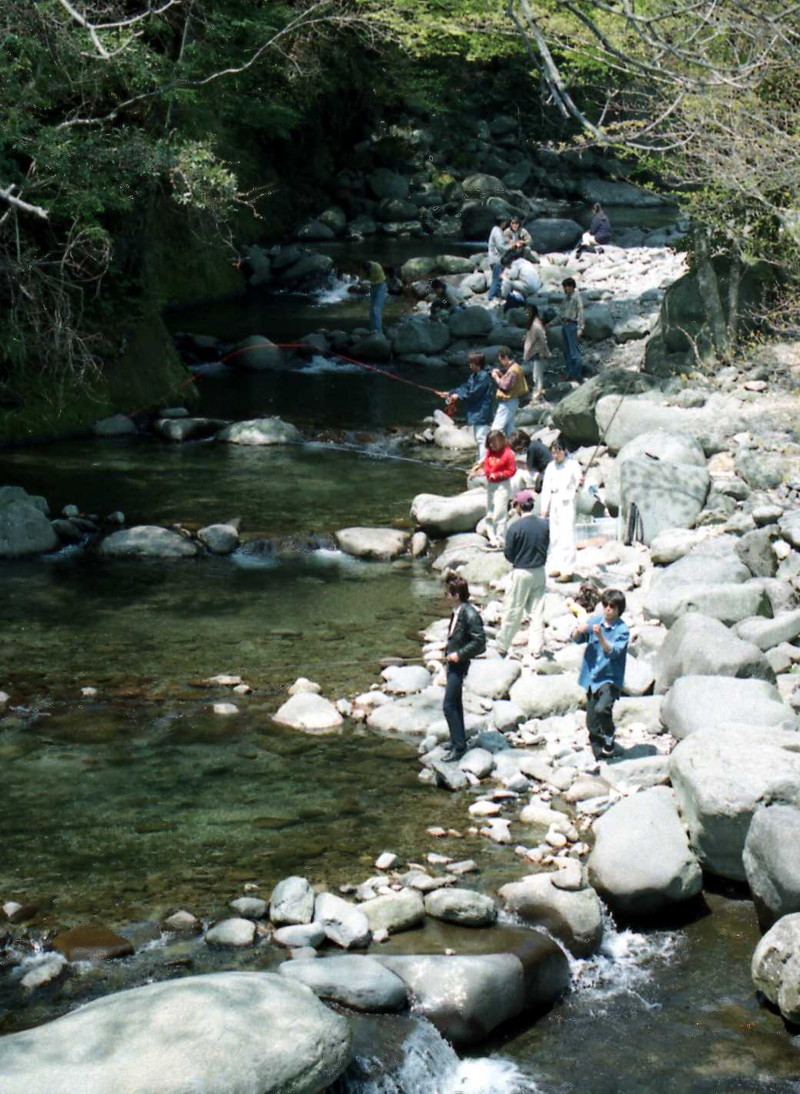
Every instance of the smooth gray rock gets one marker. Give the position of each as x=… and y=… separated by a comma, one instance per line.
x=220, y=539
x=721, y=776
x=186, y=429
x=145, y=541
x=372, y=543
x=353, y=980
x=473, y=322
x=385, y=183
x=412, y=714
x=789, y=525
x=250, y=907
x=232, y=932
x=776, y=966
x=772, y=859
x=767, y=633
x=658, y=446
x=755, y=550
x=395, y=912
x=702, y=646
x=641, y=862
x=343, y=923
x=762, y=470
x=667, y=495
x=405, y=679
x=701, y=702
x=545, y=696
x=675, y=543
x=309, y=712
x=243, y=1032
x=462, y=906
x=574, y=917
x=24, y=528
x=118, y=425
x=300, y=936
x=258, y=354
x=554, y=234
x=493, y=676
x=478, y=761
x=574, y=416
x=598, y=323
x=729, y=604
x=371, y=347
x=440, y=516
x=292, y=901
x=420, y=335
x=260, y=431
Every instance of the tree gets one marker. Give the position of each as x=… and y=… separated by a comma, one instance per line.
x=706, y=91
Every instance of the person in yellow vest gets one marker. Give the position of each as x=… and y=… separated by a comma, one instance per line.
x=511, y=386
x=376, y=276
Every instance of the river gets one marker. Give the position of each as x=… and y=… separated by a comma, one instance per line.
x=129, y=804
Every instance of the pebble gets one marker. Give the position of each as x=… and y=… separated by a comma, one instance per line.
x=484, y=809
x=466, y=866
x=438, y=860
x=182, y=921
x=388, y=860
x=223, y=681
x=89, y=692
x=436, y=832
x=243, y=689
x=225, y=708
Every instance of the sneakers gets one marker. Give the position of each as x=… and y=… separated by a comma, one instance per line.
x=453, y=755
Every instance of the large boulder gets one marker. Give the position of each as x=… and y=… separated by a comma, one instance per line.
x=598, y=323
x=232, y=1031
x=641, y=862
x=701, y=702
x=372, y=543
x=261, y=431
x=721, y=776
x=391, y=210
x=354, y=980
x=309, y=267
x=462, y=906
x=257, y=354
x=667, y=495
x=660, y=446
x=545, y=696
x=768, y=633
x=474, y=322
x=776, y=966
x=554, y=234
x=573, y=916
x=493, y=676
x=441, y=516
x=575, y=417
x=388, y=184
x=309, y=712
x=702, y=646
x=372, y=347
x=24, y=527
x=771, y=859
x=483, y=186
x=726, y=602
x=420, y=335
x=145, y=541
x=620, y=420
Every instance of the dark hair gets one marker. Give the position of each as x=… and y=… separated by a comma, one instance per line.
x=437, y=283
x=597, y=207
x=613, y=598
x=519, y=439
x=515, y=219
x=503, y=351
x=525, y=506
x=478, y=359
x=494, y=435
x=456, y=585
x=569, y=281
x=559, y=443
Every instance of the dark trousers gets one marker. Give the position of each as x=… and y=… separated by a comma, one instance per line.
x=599, y=720
x=453, y=706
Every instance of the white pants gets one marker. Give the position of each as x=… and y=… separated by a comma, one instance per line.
x=481, y=433
x=498, y=495
x=562, y=556
x=525, y=596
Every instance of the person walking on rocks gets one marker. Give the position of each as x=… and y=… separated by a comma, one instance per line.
x=603, y=670
x=560, y=484
x=497, y=248
x=536, y=351
x=378, y=290
x=477, y=395
x=465, y=639
x=499, y=466
x=511, y=386
x=571, y=316
x=526, y=547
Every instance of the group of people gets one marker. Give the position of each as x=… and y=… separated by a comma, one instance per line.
x=605, y=634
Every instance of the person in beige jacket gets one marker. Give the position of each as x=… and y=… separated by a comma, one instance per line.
x=536, y=350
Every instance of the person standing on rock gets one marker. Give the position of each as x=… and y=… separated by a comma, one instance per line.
x=571, y=317
x=477, y=395
x=536, y=351
x=527, y=542
x=497, y=248
x=511, y=386
x=603, y=670
x=376, y=276
x=465, y=639
x=499, y=466
x=560, y=484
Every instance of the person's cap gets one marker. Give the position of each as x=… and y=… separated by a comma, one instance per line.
x=523, y=497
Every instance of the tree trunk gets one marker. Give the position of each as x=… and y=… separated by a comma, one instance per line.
x=709, y=289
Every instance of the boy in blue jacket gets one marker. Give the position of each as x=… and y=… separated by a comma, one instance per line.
x=603, y=670
x=477, y=395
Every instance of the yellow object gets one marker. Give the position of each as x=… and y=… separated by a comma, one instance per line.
x=579, y=612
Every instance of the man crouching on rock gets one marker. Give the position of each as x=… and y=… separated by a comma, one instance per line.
x=465, y=639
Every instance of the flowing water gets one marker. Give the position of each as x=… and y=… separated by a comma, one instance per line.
x=129, y=804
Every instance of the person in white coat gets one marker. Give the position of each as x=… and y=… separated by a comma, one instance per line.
x=560, y=484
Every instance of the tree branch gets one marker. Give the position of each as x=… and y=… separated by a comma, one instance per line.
x=25, y=206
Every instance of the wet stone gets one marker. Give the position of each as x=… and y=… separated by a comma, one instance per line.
x=91, y=942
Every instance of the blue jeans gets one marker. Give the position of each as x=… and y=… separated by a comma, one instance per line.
x=573, y=358
x=377, y=298
x=494, y=287
x=505, y=415
x=453, y=706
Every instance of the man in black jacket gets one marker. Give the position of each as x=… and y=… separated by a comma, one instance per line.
x=527, y=540
x=465, y=640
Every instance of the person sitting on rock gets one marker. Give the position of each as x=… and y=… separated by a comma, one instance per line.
x=477, y=395
x=603, y=670
x=466, y=639
x=446, y=299
x=599, y=232
x=518, y=240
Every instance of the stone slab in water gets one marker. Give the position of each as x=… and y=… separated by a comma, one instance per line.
x=91, y=943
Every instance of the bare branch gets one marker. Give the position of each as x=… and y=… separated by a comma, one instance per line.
x=25, y=206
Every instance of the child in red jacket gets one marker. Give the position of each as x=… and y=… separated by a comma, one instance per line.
x=499, y=466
